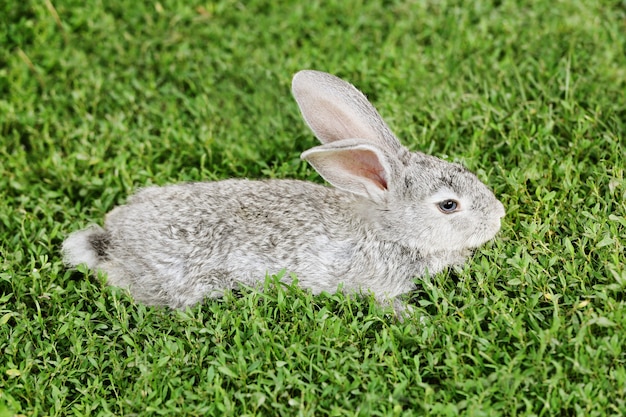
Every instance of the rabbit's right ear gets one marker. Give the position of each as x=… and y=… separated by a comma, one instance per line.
x=336, y=110
x=352, y=165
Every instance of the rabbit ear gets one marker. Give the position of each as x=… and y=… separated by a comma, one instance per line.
x=352, y=165
x=336, y=110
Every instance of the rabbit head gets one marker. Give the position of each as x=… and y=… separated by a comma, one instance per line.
x=413, y=199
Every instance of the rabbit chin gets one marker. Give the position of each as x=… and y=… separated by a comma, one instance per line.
x=480, y=238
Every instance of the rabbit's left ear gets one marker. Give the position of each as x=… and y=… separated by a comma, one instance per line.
x=335, y=110
x=352, y=165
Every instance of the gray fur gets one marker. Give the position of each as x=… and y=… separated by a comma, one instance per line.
x=376, y=231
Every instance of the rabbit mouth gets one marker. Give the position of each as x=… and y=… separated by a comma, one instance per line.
x=487, y=234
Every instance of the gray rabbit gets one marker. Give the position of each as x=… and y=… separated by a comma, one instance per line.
x=392, y=216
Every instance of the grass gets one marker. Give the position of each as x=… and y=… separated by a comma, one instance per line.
x=100, y=98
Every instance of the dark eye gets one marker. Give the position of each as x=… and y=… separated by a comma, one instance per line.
x=448, y=206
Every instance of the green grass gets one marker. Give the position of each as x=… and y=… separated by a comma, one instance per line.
x=100, y=98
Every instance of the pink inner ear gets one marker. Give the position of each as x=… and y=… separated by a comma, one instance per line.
x=366, y=164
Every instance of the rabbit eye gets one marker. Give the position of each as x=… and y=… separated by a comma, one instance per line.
x=448, y=206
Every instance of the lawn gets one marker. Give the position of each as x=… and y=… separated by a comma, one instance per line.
x=100, y=98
